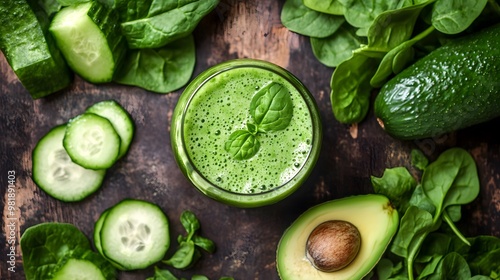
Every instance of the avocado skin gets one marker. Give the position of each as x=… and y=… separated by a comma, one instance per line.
x=455, y=86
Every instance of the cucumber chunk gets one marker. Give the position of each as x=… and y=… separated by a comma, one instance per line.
x=119, y=118
x=89, y=37
x=30, y=50
x=57, y=175
x=91, y=141
x=135, y=234
x=79, y=269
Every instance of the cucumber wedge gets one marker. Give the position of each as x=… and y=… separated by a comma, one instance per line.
x=57, y=175
x=135, y=234
x=91, y=141
x=119, y=118
x=89, y=37
x=30, y=50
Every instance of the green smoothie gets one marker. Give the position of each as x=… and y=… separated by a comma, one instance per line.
x=222, y=106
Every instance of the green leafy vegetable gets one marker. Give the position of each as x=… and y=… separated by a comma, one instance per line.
x=242, y=144
x=46, y=246
x=423, y=243
x=161, y=22
x=397, y=184
x=350, y=84
x=334, y=49
x=334, y=7
x=183, y=255
x=187, y=252
x=394, y=34
x=300, y=19
x=159, y=70
x=272, y=108
x=454, y=16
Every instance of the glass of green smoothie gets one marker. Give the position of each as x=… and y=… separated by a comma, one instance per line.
x=246, y=133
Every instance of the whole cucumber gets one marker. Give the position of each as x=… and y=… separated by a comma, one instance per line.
x=453, y=87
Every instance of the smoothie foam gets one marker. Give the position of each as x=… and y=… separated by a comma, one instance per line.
x=222, y=106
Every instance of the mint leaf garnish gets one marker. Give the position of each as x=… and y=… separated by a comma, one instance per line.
x=242, y=144
x=272, y=108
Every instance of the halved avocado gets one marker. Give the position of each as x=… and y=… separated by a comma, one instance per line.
x=372, y=215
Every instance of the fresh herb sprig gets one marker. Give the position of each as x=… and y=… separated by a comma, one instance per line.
x=423, y=246
x=187, y=252
x=271, y=109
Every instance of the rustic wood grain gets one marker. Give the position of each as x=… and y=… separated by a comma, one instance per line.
x=246, y=238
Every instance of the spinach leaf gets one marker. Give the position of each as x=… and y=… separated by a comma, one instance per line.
x=362, y=13
x=350, y=86
x=272, y=108
x=242, y=144
x=414, y=227
x=454, y=16
x=434, y=248
x=391, y=28
x=450, y=180
x=159, y=70
x=484, y=256
x=397, y=184
x=302, y=20
x=452, y=266
x=334, y=49
x=44, y=245
x=161, y=22
x=420, y=200
x=397, y=59
x=333, y=7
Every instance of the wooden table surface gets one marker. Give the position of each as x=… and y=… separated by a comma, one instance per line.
x=246, y=239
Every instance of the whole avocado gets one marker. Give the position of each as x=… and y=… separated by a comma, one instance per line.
x=453, y=87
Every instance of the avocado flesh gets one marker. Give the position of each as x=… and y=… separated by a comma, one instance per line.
x=372, y=214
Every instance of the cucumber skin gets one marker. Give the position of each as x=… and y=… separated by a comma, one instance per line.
x=30, y=50
x=108, y=21
x=453, y=87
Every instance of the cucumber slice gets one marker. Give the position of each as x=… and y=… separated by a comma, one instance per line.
x=97, y=238
x=119, y=118
x=135, y=234
x=78, y=269
x=91, y=141
x=57, y=175
x=89, y=37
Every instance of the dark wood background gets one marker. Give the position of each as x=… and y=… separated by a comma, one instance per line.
x=246, y=238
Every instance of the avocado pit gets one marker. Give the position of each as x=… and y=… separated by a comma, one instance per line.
x=333, y=245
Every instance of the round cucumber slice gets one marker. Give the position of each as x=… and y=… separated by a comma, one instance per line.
x=57, y=175
x=97, y=238
x=135, y=234
x=119, y=118
x=79, y=269
x=91, y=141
